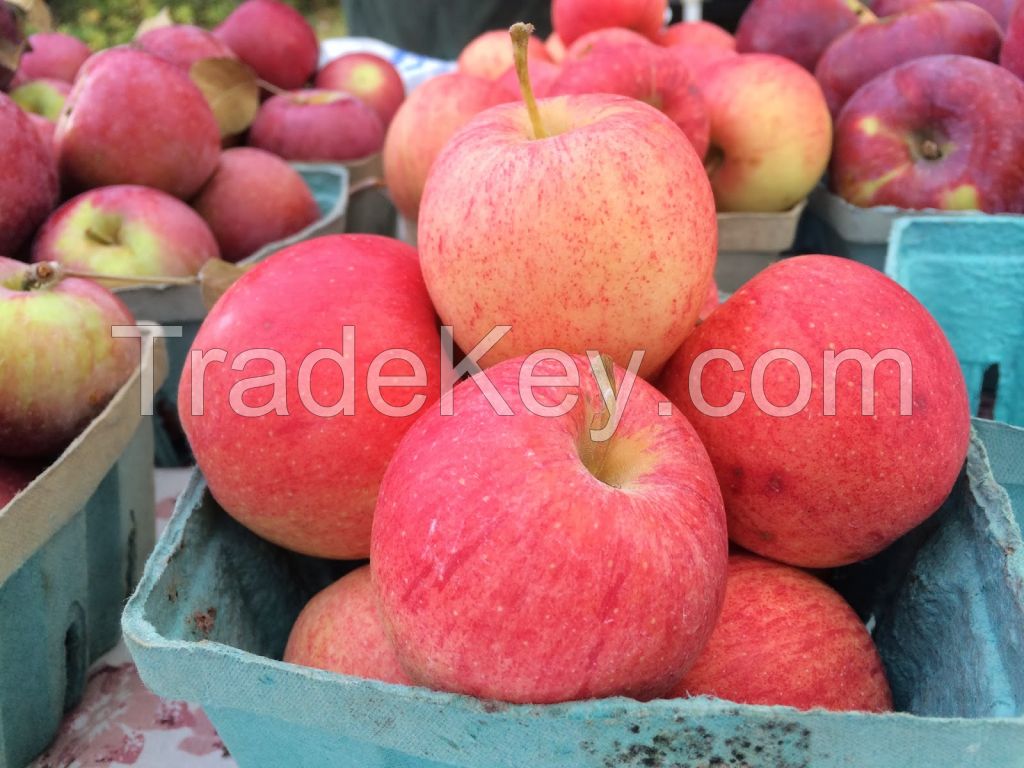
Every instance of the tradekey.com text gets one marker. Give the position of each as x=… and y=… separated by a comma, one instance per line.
x=270, y=372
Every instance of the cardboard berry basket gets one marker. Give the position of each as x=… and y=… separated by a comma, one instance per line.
x=211, y=616
x=969, y=273
x=182, y=306
x=72, y=547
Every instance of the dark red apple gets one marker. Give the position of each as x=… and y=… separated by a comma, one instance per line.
x=52, y=55
x=646, y=73
x=15, y=476
x=183, y=45
x=867, y=51
x=317, y=126
x=29, y=189
x=893, y=146
x=883, y=8
x=1012, y=56
x=368, y=77
x=800, y=30
x=274, y=39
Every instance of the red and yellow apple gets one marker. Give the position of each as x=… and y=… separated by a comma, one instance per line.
x=574, y=18
x=786, y=639
x=29, y=191
x=341, y=630
x=42, y=97
x=832, y=406
x=518, y=558
x=52, y=56
x=543, y=75
x=700, y=58
x=771, y=133
x=556, y=48
x=183, y=45
x=894, y=147
x=599, y=39
x=128, y=231
x=274, y=39
x=697, y=33
x=252, y=199
x=490, y=55
x=368, y=77
x=1012, y=55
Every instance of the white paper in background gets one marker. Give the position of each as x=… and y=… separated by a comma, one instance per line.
x=414, y=69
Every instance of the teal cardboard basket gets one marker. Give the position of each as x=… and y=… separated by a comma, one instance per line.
x=969, y=273
x=182, y=306
x=213, y=611
x=72, y=547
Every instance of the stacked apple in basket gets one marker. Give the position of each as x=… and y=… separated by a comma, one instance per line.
x=113, y=168
x=547, y=512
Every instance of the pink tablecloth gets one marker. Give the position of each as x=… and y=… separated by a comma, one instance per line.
x=119, y=722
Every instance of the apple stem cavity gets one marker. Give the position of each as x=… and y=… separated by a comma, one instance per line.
x=40, y=276
x=594, y=453
x=106, y=230
x=930, y=150
x=521, y=33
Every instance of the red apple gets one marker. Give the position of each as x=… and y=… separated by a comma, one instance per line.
x=786, y=639
x=42, y=97
x=53, y=56
x=800, y=30
x=516, y=560
x=341, y=630
x=126, y=230
x=252, y=199
x=368, y=77
x=291, y=464
x=490, y=55
x=646, y=73
x=132, y=118
x=894, y=147
x=317, y=126
x=427, y=120
x=183, y=45
x=15, y=476
x=556, y=48
x=1012, y=56
x=711, y=301
x=543, y=75
x=883, y=8
x=29, y=191
x=700, y=58
x=862, y=54
x=274, y=39
x=697, y=33
x=574, y=18
x=61, y=364
x=563, y=264
x=599, y=39
x=801, y=485
x=47, y=130
x=771, y=133
x=1001, y=10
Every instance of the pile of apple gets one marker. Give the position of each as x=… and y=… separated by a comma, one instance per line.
x=925, y=116
x=113, y=167
x=556, y=526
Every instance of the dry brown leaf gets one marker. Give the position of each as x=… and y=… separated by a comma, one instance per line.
x=37, y=14
x=159, y=21
x=10, y=57
x=216, y=277
x=232, y=91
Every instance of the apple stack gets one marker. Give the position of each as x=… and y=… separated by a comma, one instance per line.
x=926, y=118
x=556, y=526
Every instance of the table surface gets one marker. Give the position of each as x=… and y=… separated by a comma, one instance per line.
x=119, y=722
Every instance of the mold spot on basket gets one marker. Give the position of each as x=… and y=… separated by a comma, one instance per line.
x=203, y=621
x=492, y=707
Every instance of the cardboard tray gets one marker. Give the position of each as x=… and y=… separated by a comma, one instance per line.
x=72, y=547
x=213, y=611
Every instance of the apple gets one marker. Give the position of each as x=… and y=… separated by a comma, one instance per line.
x=423, y=125
x=786, y=639
x=370, y=78
x=47, y=130
x=599, y=39
x=562, y=264
x=132, y=118
x=556, y=48
x=317, y=126
x=51, y=56
x=699, y=58
x=61, y=364
x=1001, y=10
x=543, y=75
x=183, y=45
x=883, y=8
x=1012, y=56
x=274, y=39
x=711, y=301
x=42, y=97
x=771, y=133
x=894, y=147
x=254, y=198
x=800, y=30
x=15, y=476
x=128, y=231
x=802, y=486
x=490, y=55
x=301, y=473
x=862, y=54
x=517, y=559
x=646, y=73
x=341, y=630
x=697, y=33
x=29, y=191
x=574, y=18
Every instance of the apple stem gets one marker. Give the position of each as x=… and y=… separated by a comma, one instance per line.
x=930, y=150
x=274, y=90
x=521, y=33
x=41, y=275
x=131, y=279
x=593, y=453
